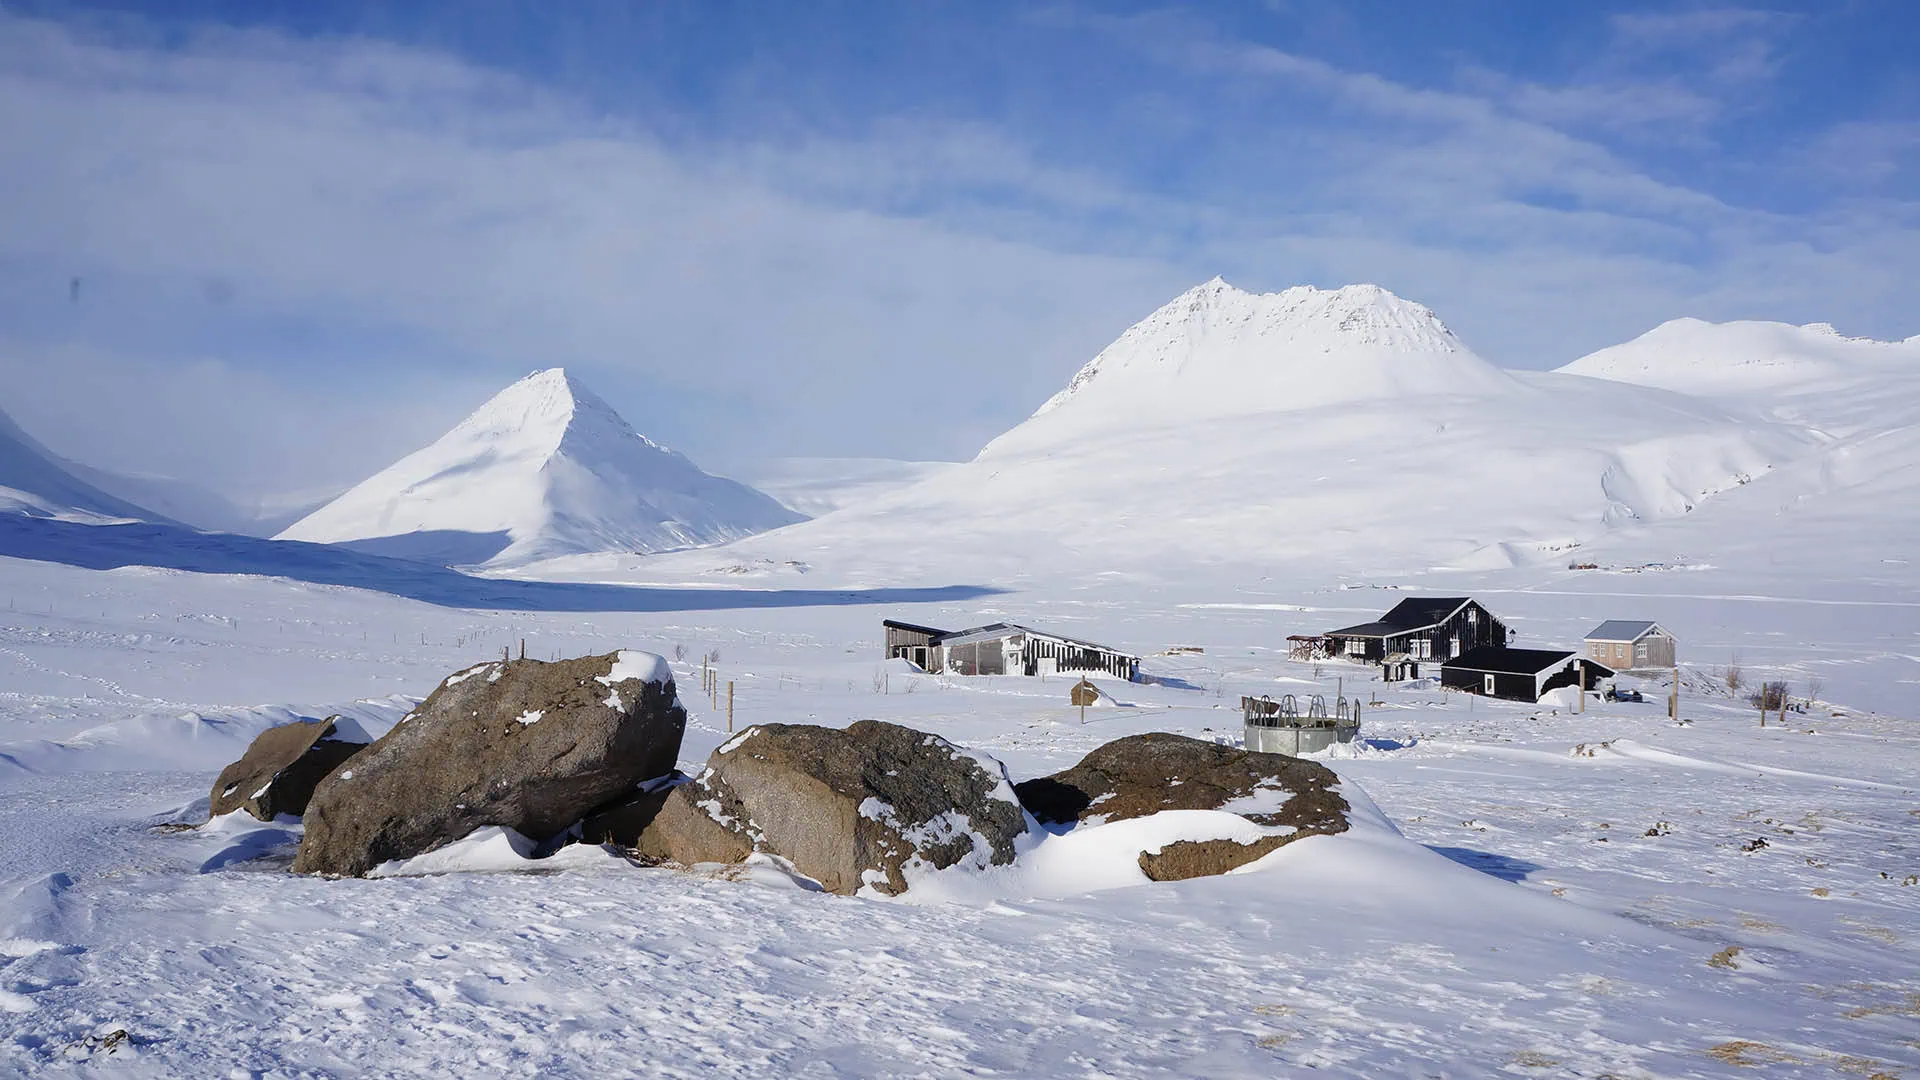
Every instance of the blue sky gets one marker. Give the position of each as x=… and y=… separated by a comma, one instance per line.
x=310, y=236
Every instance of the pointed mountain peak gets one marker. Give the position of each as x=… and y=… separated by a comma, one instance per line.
x=543, y=468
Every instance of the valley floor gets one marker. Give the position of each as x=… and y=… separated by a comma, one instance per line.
x=1575, y=895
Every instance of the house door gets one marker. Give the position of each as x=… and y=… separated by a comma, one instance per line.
x=1489, y=684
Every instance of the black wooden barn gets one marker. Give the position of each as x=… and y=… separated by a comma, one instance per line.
x=1519, y=674
x=1003, y=649
x=1417, y=630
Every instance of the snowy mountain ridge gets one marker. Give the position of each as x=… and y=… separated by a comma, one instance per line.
x=1218, y=349
x=544, y=468
x=1745, y=358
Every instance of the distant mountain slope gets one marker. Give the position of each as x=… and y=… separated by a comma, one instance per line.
x=36, y=481
x=1345, y=429
x=816, y=486
x=190, y=504
x=1749, y=359
x=543, y=469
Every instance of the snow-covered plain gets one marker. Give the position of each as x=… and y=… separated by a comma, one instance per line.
x=1539, y=893
x=1527, y=922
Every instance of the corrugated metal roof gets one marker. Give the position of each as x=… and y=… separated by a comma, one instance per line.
x=996, y=631
x=1622, y=630
x=1501, y=660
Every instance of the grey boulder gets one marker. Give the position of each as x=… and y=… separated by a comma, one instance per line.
x=281, y=768
x=1145, y=774
x=859, y=807
x=525, y=744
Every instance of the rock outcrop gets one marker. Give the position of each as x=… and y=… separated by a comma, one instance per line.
x=1145, y=774
x=281, y=768
x=525, y=744
x=854, y=808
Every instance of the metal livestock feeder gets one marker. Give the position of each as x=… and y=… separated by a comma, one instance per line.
x=1277, y=727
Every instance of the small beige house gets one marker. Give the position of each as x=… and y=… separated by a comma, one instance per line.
x=1629, y=644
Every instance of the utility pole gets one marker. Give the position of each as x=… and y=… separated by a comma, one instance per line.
x=729, y=706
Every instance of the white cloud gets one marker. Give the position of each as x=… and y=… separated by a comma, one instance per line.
x=378, y=236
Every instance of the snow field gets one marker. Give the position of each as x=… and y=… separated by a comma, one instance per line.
x=1526, y=923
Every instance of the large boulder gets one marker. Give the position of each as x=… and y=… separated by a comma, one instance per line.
x=853, y=808
x=1144, y=774
x=525, y=744
x=282, y=766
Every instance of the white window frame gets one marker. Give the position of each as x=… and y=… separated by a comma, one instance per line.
x=1489, y=685
x=1420, y=648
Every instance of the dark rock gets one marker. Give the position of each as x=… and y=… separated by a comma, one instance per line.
x=1145, y=774
x=849, y=808
x=524, y=744
x=280, y=769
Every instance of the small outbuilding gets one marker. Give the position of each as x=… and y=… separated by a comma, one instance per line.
x=1003, y=649
x=1519, y=674
x=1630, y=644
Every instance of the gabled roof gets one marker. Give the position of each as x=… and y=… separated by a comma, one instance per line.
x=913, y=627
x=1622, y=630
x=1501, y=660
x=1413, y=613
x=995, y=631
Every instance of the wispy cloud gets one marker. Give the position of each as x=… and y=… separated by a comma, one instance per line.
x=359, y=234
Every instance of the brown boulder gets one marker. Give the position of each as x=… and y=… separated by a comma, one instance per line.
x=1145, y=774
x=851, y=808
x=280, y=769
x=524, y=744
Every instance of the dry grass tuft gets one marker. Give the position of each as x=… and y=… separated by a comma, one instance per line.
x=1724, y=958
x=1748, y=1054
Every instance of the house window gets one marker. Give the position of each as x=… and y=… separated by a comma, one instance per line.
x=1356, y=647
x=1487, y=683
x=1420, y=648
x=1473, y=616
x=1453, y=647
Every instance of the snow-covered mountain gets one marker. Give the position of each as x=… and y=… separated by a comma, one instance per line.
x=543, y=469
x=1346, y=429
x=1852, y=499
x=36, y=481
x=1750, y=359
x=1216, y=350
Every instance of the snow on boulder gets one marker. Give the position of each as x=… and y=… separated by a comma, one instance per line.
x=278, y=773
x=1280, y=798
x=544, y=469
x=469, y=757
x=870, y=807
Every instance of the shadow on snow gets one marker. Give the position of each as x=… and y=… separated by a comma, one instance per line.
x=1504, y=867
x=107, y=547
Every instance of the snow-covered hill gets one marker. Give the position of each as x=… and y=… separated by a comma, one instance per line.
x=1852, y=501
x=543, y=469
x=1750, y=360
x=36, y=481
x=1345, y=430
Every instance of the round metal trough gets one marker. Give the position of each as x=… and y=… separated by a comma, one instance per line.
x=1295, y=740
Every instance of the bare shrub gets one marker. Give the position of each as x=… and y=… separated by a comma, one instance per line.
x=1770, y=697
x=1735, y=676
x=1815, y=687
